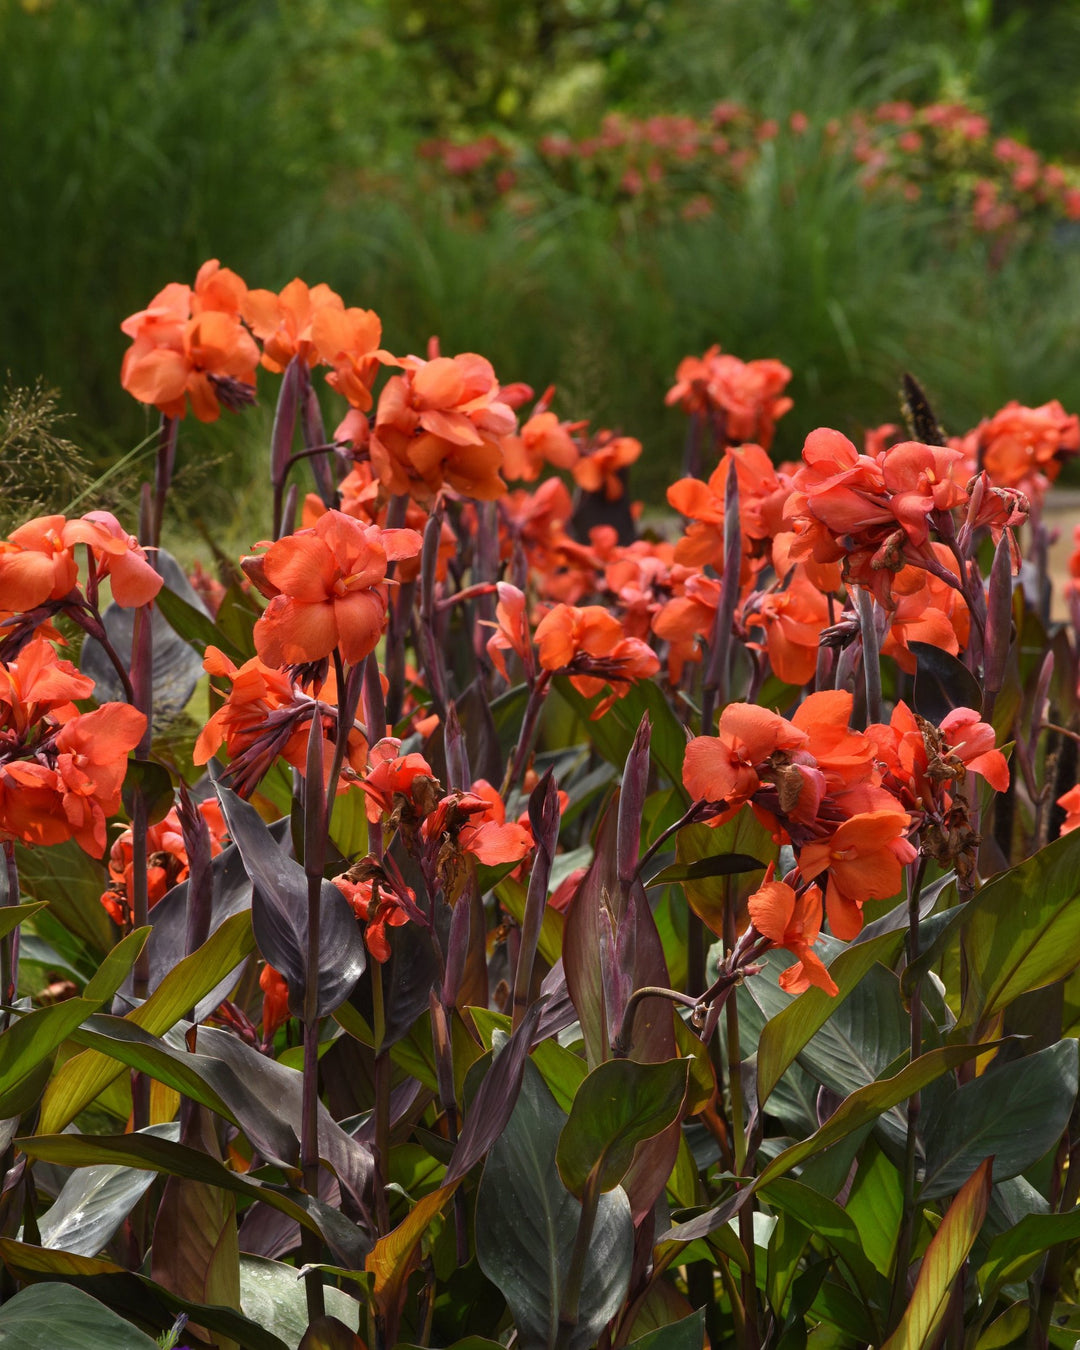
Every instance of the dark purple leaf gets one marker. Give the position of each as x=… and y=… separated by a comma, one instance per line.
x=495, y=1098
x=167, y=944
x=200, y=878
x=281, y=438
x=942, y=683
x=635, y=786
x=279, y=913
x=611, y=947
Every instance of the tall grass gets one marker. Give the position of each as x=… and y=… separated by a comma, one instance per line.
x=141, y=138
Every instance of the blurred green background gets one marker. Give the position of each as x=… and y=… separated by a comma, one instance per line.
x=139, y=137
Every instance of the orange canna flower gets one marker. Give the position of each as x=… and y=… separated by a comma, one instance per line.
x=191, y=345
x=328, y=589
x=117, y=555
x=864, y=858
x=283, y=322
x=391, y=775
x=378, y=909
x=1070, y=804
x=275, y=1008
x=443, y=421
x=512, y=631
x=348, y=340
x=792, y=921
x=588, y=644
x=543, y=439
x=723, y=768
x=166, y=857
x=36, y=685
x=793, y=617
x=598, y=470
x=37, y=564
x=747, y=393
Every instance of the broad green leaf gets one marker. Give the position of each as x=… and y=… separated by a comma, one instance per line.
x=828, y=1221
x=511, y=895
x=876, y=1204
x=81, y=1079
x=349, y=824
x=1022, y=930
x=30, y=1041
x=1014, y=1254
x=71, y=883
x=272, y=1296
x=161, y=1155
x=944, y=1258
x=114, y=970
x=526, y=1223
x=743, y=834
x=134, y=1295
x=561, y=1069
x=94, y=1202
x=51, y=1316
x=688, y=1333
x=869, y=1103
x=790, y=1030
x=619, y=1106
x=13, y=915
x=195, y=626
x=1013, y=1114
x=1005, y=1331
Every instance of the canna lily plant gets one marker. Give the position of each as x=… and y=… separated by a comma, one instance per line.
x=553, y=934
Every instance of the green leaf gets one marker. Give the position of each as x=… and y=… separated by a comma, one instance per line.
x=71, y=882
x=1022, y=930
x=161, y=1155
x=618, y=1106
x=81, y=1079
x=511, y=895
x=28, y=1043
x=828, y=1221
x=526, y=1223
x=1014, y=1114
x=136, y=1296
x=725, y=865
x=869, y=1103
x=56, y=1316
x=944, y=1258
x=1006, y=1330
x=686, y=1334
x=1014, y=1254
x=743, y=834
x=787, y=1033
x=94, y=1202
x=195, y=627
x=349, y=824
x=875, y=1204
x=114, y=970
x=154, y=782
x=13, y=915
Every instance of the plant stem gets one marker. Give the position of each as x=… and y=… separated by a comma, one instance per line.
x=571, y=1296
x=528, y=732
x=907, y=1223
x=9, y=946
x=382, y=1101
x=871, y=654
x=309, y=1114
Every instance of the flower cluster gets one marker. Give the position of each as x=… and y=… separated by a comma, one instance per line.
x=61, y=770
x=670, y=163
